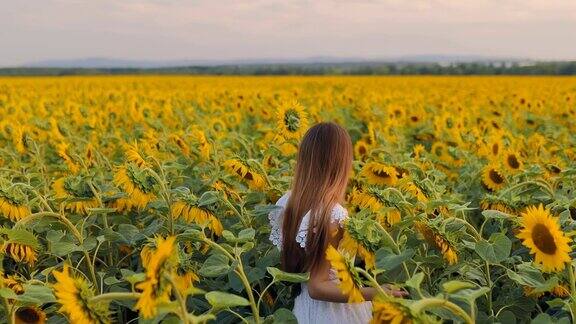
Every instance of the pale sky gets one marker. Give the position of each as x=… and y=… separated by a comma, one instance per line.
x=34, y=30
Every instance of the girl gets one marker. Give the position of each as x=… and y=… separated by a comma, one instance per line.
x=310, y=218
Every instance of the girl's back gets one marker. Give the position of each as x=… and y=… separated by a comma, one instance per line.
x=307, y=309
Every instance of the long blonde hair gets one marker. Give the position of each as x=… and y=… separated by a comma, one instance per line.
x=322, y=170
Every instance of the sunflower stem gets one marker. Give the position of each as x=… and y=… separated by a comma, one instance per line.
x=373, y=281
x=261, y=167
x=241, y=274
x=572, y=278
x=238, y=315
x=489, y=294
x=396, y=247
x=572, y=304
x=105, y=216
x=245, y=222
x=218, y=247
x=165, y=193
x=253, y=305
x=9, y=312
x=477, y=235
x=263, y=292
x=181, y=300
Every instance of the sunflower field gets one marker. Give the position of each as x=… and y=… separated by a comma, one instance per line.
x=145, y=199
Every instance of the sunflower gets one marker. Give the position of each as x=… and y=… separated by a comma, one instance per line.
x=560, y=290
x=268, y=299
x=418, y=150
x=181, y=143
x=30, y=315
x=137, y=184
x=371, y=198
x=19, y=139
x=388, y=311
x=493, y=178
x=416, y=116
x=76, y=194
x=361, y=149
x=155, y=289
x=62, y=151
x=371, y=138
x=233, y=118
x=439, y=241
x=133, y=155
x=20, y=252
x=75, y=296
x=553, y=168
x=349, y=245
x=292, y=120
x=541, y=233
x=149, y=145
x=531, y=292
x=12, y=205
x=409, y=186
x=492, y=148
x=217, y=127
x=362, y=199
x=240, y=169
x=440, y=151
x=287, y=149
x=183, y=282
x=13, y=283
x=512, y=162
x=379, y=174
x=204, y=147
x=90, y=155
x=269, y=161
x=193, y=213
x=499, y=205
x=349, y=280
x=225, y=189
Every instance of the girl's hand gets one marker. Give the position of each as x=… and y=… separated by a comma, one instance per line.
x=396, y=292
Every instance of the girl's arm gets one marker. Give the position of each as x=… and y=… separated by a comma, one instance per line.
x=320, y=286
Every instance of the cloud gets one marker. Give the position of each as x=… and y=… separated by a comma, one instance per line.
x=169, y=29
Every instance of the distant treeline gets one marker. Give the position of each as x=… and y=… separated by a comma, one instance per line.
x=364, y=68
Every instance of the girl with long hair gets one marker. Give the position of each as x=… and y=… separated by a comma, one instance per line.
x=310, y=218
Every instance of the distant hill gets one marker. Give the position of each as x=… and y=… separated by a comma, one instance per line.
x=107, y=63
x=421, y=65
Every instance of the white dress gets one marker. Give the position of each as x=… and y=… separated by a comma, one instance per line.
x=306, y=309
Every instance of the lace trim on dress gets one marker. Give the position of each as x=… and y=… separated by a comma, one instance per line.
x=339, y=214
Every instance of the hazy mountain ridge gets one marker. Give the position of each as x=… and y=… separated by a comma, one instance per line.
x=104, y=62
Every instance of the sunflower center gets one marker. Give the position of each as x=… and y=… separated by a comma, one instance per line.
x=513, y=161
x=543, y=239
x=218, y=127
x=495, y=148
x=439, y=151
x=292, y=120
x=381, y=174
x=496, y=177
x=28, y=315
